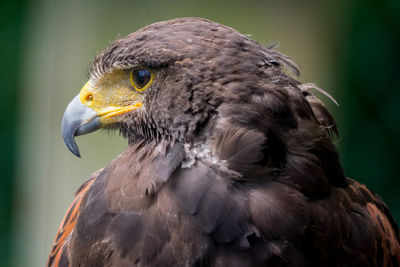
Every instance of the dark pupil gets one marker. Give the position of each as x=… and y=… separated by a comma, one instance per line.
x=142, y=77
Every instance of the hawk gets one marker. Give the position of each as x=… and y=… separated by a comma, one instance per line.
x=230, y=161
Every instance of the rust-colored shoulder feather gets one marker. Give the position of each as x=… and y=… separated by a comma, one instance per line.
x=386, y=232
x=58, y=256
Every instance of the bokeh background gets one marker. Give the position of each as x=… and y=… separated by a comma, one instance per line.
x=349, y=48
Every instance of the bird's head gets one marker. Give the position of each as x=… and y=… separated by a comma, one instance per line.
x=172, y=80
x=163, y=81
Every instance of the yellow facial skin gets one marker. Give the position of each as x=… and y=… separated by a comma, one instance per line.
x=112, y=95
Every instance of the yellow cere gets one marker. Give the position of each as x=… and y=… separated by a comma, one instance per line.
x=111, y=95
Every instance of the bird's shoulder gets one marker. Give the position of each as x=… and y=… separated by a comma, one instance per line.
x=58, y=255
x=385, y=231
x=354, y=224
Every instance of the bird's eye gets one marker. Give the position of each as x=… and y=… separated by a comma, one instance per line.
x=141, y=79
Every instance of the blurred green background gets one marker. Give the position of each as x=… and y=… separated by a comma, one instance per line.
x=349, y=48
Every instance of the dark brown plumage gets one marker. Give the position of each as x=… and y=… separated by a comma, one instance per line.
x=230, y=162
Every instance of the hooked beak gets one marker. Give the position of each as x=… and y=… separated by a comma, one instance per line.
x=96, y=106
x=78, y=119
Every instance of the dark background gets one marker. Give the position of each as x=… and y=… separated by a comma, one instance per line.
x=349, y=48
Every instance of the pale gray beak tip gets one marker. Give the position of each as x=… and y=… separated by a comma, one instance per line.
x=78, y=119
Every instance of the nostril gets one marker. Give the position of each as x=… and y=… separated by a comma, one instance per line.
x=89, y=98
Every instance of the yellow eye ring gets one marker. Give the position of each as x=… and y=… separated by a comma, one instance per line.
x=141, y=79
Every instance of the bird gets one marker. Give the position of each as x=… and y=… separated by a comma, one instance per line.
x=231, y=161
